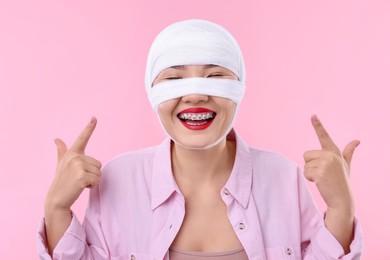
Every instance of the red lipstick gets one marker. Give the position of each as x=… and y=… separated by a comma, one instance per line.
x=196, y=118
x=196, y=110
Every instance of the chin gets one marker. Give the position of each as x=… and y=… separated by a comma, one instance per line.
x=195, y=143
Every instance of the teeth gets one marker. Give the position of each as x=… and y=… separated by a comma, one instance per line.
x=196, y=116
x=196, y=123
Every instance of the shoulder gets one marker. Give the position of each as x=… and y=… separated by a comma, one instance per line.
x=124, y=186
x=265, y=163
x=273, y=170
x=270, y=159
x=276, y=178
x=131, y=158
x=130, y=167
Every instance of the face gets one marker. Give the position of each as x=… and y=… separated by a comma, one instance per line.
x=196, y=120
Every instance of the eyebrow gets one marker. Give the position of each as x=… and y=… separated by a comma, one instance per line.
x=182, y=67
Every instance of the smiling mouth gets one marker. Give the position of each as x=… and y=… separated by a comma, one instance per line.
x=196, y=118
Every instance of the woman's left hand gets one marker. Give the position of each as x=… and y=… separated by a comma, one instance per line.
x=329, y=169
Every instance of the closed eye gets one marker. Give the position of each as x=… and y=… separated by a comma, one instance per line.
x=172, y=78
x=216, y=75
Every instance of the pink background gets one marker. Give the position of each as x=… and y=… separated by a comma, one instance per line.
x=63, y=61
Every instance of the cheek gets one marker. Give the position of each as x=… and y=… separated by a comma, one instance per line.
x=227, y=110
x=230, y=111
x=166, y=108
x=227, y=106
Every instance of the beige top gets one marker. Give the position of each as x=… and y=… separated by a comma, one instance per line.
x=178, y=254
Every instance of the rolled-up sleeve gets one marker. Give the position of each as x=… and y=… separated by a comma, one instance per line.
x=71, y=245
x=325, y=244
x=79, y=241
x=317, y=241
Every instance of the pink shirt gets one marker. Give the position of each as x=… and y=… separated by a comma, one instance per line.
x=137, y=210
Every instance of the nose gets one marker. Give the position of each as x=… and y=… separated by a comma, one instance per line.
x=195, y=98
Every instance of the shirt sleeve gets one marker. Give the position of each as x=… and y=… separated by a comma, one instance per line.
x=325, y=244
x=79, y=241
x=71, y=245
x=317, y=241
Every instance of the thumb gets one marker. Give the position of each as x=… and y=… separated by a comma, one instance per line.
x=348, y=151
x=61, y=148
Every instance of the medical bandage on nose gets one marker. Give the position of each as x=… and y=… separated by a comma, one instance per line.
x=171, y=89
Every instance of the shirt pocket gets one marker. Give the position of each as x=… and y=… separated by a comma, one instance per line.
x=132, y=256
x=283, y=252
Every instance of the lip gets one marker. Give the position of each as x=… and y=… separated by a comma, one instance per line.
x=196, y=110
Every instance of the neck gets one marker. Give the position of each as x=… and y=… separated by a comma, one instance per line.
x=203, y=166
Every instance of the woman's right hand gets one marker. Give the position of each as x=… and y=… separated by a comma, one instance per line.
x=75, y=171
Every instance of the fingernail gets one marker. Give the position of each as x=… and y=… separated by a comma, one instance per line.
x=315, y=118
x=93, y=120
x=357, y=144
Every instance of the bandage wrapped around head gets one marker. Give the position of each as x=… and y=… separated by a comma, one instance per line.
x=194, y=42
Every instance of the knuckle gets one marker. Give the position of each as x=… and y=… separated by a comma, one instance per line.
x=308, y=155
x=321, y=174
x=308, y=174
x=76, y=159
x=73, y=154
x=94, y=181
x=86, y=183
x=329, y=156
x=323, y=164
x=81, y=176
x=99, y=164
x=335, y=158
x=337, y=153
x=79, y=166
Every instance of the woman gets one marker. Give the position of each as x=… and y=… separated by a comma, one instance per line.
x=203, y=192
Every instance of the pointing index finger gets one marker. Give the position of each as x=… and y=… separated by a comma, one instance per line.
x=323, y=136
x=82, y=140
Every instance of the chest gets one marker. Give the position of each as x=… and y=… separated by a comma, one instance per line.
x=196, y=225
x=206, y=226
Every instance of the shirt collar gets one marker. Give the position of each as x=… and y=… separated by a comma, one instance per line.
x=239, y=183
x=163, y=183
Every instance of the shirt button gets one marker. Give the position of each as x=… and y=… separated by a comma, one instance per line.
x=226, y=191
x=132, y=257
x=241, y=226
x=288, y=251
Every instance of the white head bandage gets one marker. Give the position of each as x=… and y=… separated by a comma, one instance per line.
x=194, y=42
x=226, y=88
